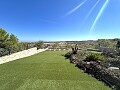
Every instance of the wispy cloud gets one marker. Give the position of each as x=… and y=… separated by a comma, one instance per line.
x=77, y=7
x=91, y=10
x=98, y=16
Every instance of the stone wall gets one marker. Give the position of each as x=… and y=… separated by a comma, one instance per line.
x=20, y=54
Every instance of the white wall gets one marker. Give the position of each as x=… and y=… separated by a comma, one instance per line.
x=20, y=54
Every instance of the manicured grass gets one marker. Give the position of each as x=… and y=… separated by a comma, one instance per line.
x=46, y=71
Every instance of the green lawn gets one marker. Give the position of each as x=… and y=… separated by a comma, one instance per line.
x=46, y=71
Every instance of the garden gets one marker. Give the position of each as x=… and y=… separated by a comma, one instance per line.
x=48, y=70
x=104, y=65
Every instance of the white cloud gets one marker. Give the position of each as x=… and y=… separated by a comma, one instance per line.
x=98, y=16
x=74, y=9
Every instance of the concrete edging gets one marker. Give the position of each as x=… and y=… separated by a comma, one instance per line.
x=20, y=54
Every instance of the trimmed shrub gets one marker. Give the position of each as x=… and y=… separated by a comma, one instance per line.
x=68, y=55
x=94, y=57
x=81, y=55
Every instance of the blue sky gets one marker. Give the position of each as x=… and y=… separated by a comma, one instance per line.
x=54, y=20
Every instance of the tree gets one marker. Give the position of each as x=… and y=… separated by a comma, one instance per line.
x=39, y=44
x=12, y=44
x=8, y=43
x=3, y=38
x=105, y=43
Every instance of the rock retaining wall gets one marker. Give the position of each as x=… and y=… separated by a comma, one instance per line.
x=20, y=54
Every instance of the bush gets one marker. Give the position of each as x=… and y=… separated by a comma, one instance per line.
x=68, y=55
x=94, y=57
x=3, y=52
x=113, y=62
x=81, y=55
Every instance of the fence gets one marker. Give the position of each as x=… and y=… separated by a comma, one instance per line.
x=20, y=54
